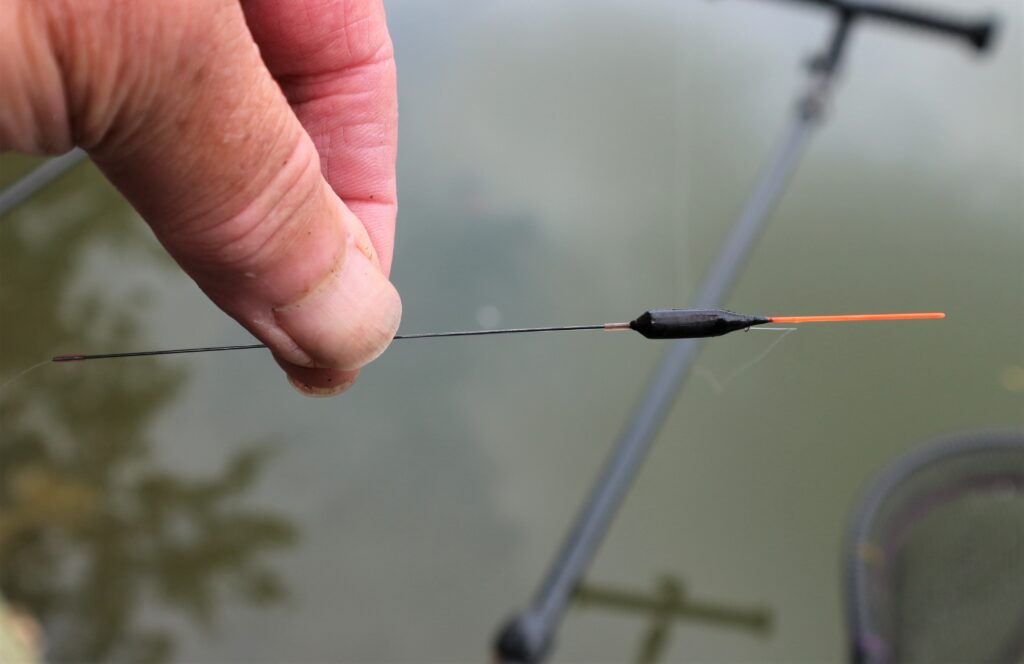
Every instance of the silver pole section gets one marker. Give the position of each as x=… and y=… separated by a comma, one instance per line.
x=28, y=186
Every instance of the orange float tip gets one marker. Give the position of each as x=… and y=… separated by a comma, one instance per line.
x=792, y=320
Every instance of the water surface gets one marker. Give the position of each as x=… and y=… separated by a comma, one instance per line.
x=567, y=162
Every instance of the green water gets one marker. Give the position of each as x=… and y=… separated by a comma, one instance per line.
x=568, y=162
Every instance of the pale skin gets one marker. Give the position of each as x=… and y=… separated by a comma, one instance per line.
x=256, y=137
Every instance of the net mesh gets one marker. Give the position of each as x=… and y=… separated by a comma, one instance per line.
x=937, y=556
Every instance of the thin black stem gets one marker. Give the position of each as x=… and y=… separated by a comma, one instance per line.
x=427, y=335
x=147, y=353
x=511, y=330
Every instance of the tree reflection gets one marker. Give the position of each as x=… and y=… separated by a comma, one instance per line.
x=95, y=536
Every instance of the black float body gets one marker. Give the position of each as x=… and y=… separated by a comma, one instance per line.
x=692, y=323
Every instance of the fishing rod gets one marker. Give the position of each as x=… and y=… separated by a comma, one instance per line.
x=652, y=324
x=528, y=636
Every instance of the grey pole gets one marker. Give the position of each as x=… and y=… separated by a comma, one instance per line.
x=528, y=636
x=26, y=187
x=659, y=397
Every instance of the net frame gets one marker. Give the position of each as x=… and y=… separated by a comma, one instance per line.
x=906, y=492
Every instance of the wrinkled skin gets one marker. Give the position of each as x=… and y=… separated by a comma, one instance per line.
x=258, y=140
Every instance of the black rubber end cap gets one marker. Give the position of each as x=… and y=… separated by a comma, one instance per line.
x=984, y=34
x=521, y=641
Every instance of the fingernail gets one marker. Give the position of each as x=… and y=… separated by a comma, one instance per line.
x=320, y=392
x=349, y=318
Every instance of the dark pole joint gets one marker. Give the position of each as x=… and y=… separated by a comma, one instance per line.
x=977, y=32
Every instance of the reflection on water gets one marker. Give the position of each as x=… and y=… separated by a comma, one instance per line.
x=668, y=605
x=93, y=530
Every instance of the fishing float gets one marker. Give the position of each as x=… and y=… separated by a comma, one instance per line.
x=652, y=324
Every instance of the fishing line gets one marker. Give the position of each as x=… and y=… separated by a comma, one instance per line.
x=22, y=373
x=718, y=385
x=786, y=331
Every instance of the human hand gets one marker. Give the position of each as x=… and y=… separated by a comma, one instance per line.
x=258, y=140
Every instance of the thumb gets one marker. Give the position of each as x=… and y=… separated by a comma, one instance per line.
x=210, y=153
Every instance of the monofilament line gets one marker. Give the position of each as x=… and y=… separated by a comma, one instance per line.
x=22, y=373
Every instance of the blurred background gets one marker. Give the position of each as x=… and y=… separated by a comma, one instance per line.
x=560, y=162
